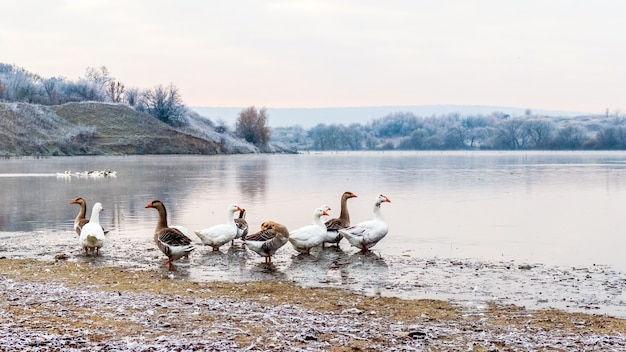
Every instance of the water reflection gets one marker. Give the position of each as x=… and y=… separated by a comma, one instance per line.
x=493, y=205
x=366, y=272
x=181, y=270
x=252, y=178
x=266, y=271
x=305, y=269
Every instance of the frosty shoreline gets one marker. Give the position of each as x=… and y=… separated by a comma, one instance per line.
x=108, y=309
x=595, y=289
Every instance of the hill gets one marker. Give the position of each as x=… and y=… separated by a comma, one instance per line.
x=91, y=128
x=309, y=117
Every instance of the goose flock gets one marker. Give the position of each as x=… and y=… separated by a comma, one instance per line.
x=90, y=173
x=174, y=241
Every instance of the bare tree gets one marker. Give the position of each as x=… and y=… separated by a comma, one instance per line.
x=101, y=77
x=132, y=96
x=165, y=104
x=252, y=126
x=82, y=91
x=221, y=127
x=19, y=87
x=51, y=87
x=570, y=137
x=511, y=134
x=354, y=136
x=540, y=133
x=114, y=91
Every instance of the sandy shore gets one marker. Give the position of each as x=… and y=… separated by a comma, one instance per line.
x=60, y=305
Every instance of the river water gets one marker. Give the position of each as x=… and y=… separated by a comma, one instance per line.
x=541, y=229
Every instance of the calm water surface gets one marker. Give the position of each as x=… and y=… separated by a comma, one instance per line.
x=548, y=208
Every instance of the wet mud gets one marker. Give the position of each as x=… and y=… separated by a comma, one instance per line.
x=472, y=283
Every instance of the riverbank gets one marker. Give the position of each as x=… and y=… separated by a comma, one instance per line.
x=50, y=305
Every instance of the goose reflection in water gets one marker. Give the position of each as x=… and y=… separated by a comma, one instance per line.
x=265, y=271
x=236, y=252
x=333, y=258
x=365, y=272
x=181, y=271
x=306, y=269
x=214, y=261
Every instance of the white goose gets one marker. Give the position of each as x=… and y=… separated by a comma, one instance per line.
x=307, y=237
x=267, y=248
x=366, y=234
x=81, y=219
x=220, y=234
x=91, y=234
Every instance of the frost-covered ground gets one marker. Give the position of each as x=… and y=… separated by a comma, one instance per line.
x=497, y=305
x=42, y=316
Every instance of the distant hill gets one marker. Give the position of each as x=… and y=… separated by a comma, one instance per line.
x=92, y=128
x=307, y=118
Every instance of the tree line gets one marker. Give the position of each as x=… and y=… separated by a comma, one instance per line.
x=496, y=131
x=401, y=131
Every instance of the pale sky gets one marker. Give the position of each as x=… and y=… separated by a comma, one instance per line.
x=538, y=54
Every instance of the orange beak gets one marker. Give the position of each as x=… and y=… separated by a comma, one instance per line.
x=149, y=205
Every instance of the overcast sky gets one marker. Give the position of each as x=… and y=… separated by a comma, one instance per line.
x=537, y=54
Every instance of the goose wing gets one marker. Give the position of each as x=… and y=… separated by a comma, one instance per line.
x=262, y=235
x=172, y=237
x=336, y=224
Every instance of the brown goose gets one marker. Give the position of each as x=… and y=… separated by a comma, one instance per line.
x=242, y=225
x=173, y=243
x=267, y=248
x=263, y=235
x=334, y=225
x=80, y=219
